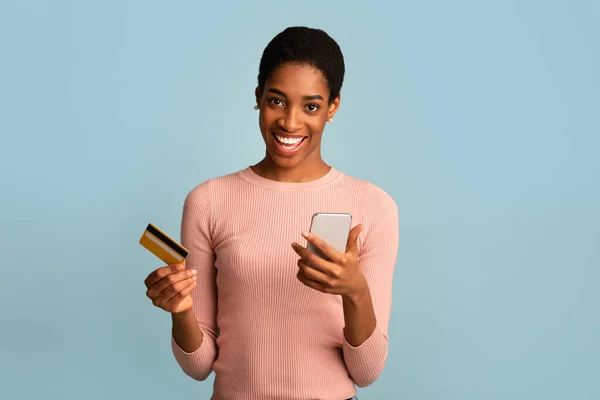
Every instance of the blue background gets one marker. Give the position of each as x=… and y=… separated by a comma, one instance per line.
x=480, y=118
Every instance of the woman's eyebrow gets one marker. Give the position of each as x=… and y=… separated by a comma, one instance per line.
x=313, y=97
x=282, y=94
x=277, y=91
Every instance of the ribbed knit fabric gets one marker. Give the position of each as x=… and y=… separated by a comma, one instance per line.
x=266, y=335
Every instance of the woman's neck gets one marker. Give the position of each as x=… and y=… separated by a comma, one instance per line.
x=303, y=172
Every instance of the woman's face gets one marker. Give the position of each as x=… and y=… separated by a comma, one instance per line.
x=293, y=112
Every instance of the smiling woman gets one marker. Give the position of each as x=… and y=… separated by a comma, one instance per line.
x=291, y=120
x=300, y=77
x=290, y=324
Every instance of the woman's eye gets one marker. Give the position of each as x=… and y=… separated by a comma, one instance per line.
x=276, y=102
x=312, y=107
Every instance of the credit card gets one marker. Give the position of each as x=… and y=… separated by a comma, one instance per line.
x=163, y=246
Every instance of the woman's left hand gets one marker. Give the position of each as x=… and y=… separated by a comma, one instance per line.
x=340, y=274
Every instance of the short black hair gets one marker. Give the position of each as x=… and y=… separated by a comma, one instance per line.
x=303, y=45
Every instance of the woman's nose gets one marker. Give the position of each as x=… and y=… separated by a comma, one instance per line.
x=291, y=121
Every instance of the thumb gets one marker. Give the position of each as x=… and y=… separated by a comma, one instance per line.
x=178, y=267
x=352, y=244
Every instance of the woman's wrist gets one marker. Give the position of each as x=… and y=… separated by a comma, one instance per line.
x=359, y=294
x=183, y=315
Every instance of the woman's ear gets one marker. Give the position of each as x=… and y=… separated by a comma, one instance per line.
x=333, y=107
x=258, y=95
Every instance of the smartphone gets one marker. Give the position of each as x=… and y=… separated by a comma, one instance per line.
x=333, y=228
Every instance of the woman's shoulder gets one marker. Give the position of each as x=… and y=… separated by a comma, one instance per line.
x=211, y=185
x=372, y=191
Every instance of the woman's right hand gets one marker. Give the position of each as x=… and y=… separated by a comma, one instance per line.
x=170, y=287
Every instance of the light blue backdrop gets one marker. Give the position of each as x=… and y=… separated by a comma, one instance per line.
x=480, y=118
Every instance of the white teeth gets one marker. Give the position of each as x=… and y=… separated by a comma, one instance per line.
x=288, y=140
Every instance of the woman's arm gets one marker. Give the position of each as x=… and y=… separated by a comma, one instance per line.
x=194, y=332
x=359, y=317
x=364, y=280
x=367, y=313
x=186, y=332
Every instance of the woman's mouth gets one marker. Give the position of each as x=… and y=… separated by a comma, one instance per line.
x=288, y=145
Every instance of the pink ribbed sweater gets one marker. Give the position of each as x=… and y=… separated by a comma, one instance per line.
x=266, y=335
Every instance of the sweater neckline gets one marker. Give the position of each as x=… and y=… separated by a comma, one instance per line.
x=250, y=176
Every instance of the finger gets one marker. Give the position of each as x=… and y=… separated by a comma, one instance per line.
x=309, y=282
x=314, y=274
x=172, y=291
x=352, y=243
x=323, y=247
x=158, y=287
x=178, y=297
x=312, y=259
x=160, y=273
x=326, y=277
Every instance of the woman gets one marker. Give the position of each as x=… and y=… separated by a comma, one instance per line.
x=251, y=303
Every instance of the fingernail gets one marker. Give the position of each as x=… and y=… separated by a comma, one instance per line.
x=194, y=272
x=306, y=234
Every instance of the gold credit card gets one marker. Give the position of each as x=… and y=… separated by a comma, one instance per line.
x=162, y=246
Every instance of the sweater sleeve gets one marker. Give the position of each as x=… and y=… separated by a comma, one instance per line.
x=377, y=259
x=196, y=237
